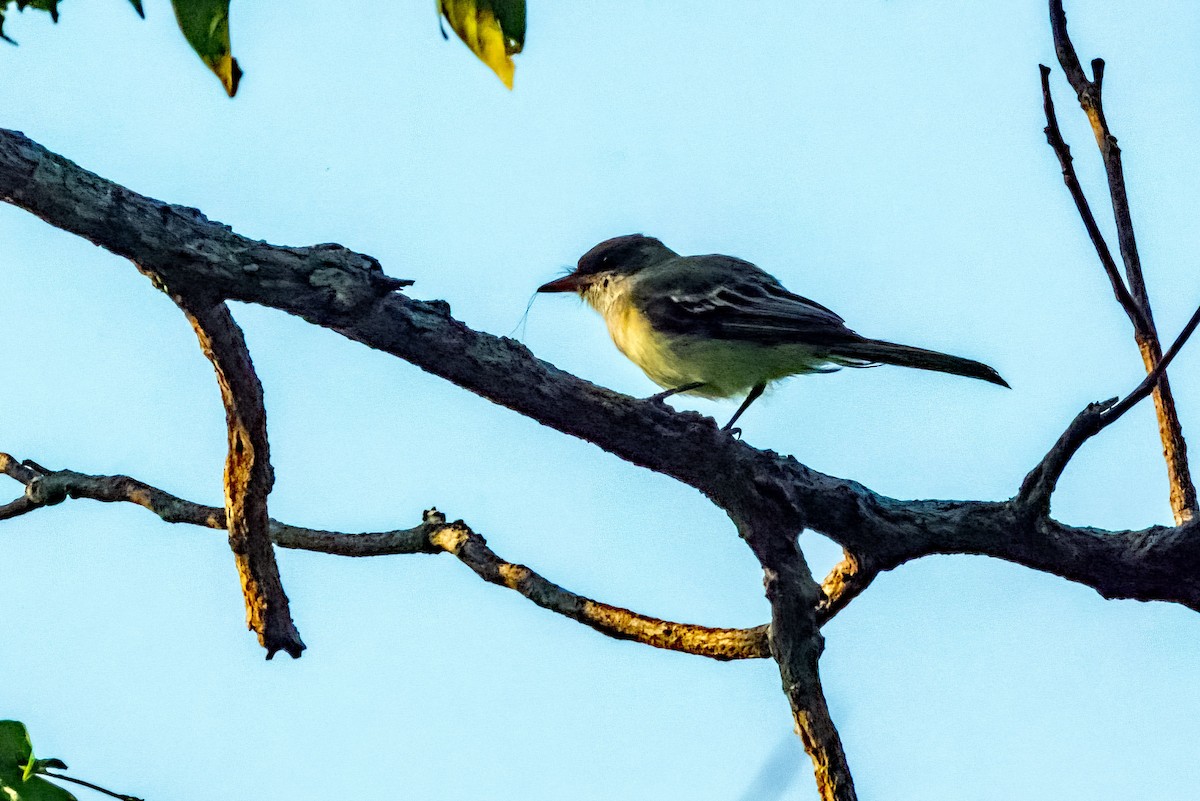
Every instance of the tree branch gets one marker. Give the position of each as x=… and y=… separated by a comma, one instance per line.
x=434, y=535
x=1183, y=491
x=17, y=508
x=90, y=786
x=770, y=497
x=1041, y=481
x=844, y=583
x=248, y=474
x=796, y=645
x=1063, y=151
x=348, y=293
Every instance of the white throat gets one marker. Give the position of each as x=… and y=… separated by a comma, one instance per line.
x=609, y=295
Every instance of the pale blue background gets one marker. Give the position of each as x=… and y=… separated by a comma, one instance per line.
x=884, y=158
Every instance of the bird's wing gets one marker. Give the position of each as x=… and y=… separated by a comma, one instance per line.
x=695, y=295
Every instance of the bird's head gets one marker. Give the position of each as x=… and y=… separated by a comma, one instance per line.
x=617, y=258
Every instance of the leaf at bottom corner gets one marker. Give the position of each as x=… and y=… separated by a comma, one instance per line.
x=16, y=752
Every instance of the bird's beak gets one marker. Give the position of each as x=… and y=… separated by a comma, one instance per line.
x=572, y=282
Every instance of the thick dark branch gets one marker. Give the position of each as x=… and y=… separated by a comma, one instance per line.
x=347, y=292
x=336, y=288
x=17, y=508
x=433, y=536
x=796, y=645
x=248, y=474
x=1182, y=490
x=21, y=471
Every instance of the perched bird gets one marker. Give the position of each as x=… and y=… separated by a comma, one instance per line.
x=719, y=327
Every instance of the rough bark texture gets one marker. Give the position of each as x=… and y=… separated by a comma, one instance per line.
x=347, y=292
x=248, y=476
x=796, y=645
x=770, y=497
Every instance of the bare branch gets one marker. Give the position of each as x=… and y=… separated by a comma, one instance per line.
x=1063, y=151
x=796, y=645
x=1182, y=490
x=473, y=551
x=90, y=786
x=248, y=475
x=333, y=287
x=1091, y=101
x=17, y=508
x=433, y=536
x=21, y=471
x=1039, y=485
x=845, y=582
x=24, y=473
x=346, y=292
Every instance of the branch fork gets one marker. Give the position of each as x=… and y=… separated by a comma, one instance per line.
x=203, y=264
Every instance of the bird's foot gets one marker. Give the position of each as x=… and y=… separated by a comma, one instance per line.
x=659, y=397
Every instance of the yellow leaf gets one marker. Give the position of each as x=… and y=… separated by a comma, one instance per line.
x=205, y=25
x=493, y=29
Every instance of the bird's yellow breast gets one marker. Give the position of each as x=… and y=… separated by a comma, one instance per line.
x=727, y=368
x=633, y=335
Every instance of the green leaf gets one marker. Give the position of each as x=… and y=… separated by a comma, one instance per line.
x=15, y=748
x=137, y=6
x=18, y=766
x=205, y=25
x=38, y=5
x=493, y=29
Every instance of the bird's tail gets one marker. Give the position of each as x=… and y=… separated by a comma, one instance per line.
x=878, y=352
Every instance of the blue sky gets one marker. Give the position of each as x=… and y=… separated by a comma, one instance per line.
x=884, y=158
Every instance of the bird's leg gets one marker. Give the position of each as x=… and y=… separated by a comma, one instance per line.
x=753, y=396
x=662, y=396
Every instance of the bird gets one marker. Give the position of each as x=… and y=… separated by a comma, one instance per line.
x=717, y=326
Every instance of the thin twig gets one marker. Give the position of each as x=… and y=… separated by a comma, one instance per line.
x=1063, y=151
x=433, y=536
x=1038, y=486
x=90, y=786
x=1159, y=373
x=473, y=551
x=1090, y=95
x=1089, y=92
